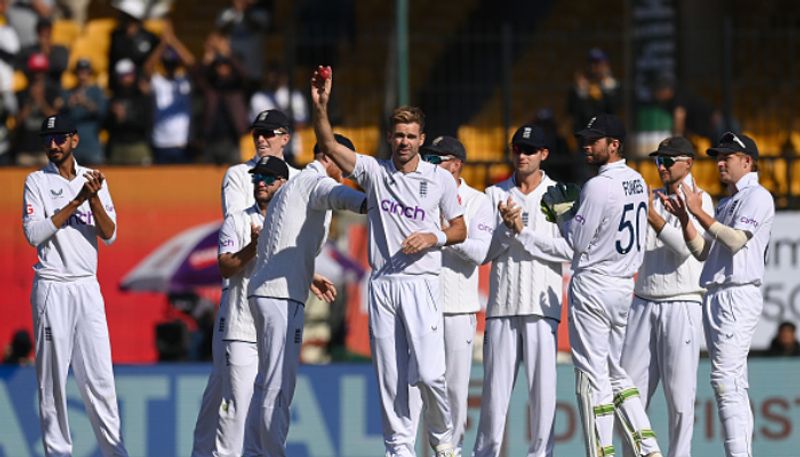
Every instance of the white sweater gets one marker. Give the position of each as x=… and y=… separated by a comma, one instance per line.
x=295, y=229
x=526, y=276
x=459, y=273
x=669, y=272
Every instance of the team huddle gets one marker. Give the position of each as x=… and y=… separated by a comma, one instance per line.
x=652, y=272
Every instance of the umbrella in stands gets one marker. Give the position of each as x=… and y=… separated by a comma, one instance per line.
x=184, y=262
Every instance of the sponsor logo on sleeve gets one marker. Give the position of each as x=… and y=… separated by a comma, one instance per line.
x=225, y=243
x=748, y=221
x=56, y=194
x=580, y=219
x=485, y=228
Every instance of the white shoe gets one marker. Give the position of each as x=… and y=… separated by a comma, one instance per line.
x=654, y=454
x=445, y=450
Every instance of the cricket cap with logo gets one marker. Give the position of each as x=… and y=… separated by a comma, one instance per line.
x=272, y=166
x=271, y=119
x=603, y=126
x=674, y=146
x=56, y=124
x=730, y=143
x=446, y=146
x=529, y=135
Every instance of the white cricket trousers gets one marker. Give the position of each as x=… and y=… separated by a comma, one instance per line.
x=662, y=344
x=208, y=416
x=459, y=332
x=69, y=323
x=730, y=316
x=279, y=330
x=407, y=345
x=598, y=314
x=228, y=393
x=509, y=341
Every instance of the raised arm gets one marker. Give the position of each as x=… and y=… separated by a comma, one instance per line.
x=321, y=84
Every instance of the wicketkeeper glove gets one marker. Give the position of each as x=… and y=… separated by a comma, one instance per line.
x=560, y=200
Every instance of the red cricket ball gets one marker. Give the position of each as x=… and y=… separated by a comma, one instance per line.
x=324, y=73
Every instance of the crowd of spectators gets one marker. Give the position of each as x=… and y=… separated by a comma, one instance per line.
x=159, y=104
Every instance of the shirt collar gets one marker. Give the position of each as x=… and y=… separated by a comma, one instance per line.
x=609, y=166
x=317, y=166
x=420, y=163
x=748, y=180
x=51, y=167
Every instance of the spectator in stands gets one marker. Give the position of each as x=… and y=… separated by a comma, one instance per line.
x=9, y=47
x=23, y=15
x=224, y=110
x=38, y=101
x=57, y=55
x=785, y=342
x=595, y=91
x=129, y=118
x=246, y=23
x=130, y=40
x=691, y=115
x=172, y=96
x=86, y=105
x=277, y=95
x=75, y=10
x=18, y=352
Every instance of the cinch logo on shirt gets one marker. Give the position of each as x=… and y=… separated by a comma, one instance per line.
x=397, y=208
x=226, y=242
x=748, y=221
x=80, y=218
x=485, y=228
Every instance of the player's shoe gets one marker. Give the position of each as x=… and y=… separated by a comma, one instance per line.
x=445, y=450
x=654, y=454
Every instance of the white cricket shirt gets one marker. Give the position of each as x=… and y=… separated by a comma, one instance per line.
x=751, y=209
x=526, y=277
x=68, y=252
x=295, y=229
x=400, y=204
x=609, y=230
x=669, y=271
x=237, y=186
x=459, y=274
x=235, y=317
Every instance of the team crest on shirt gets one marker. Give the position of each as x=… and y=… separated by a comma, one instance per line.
x=423, y=189
x=55, y=194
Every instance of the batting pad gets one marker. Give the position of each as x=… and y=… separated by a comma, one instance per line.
x=635, y=424
x=596, y=446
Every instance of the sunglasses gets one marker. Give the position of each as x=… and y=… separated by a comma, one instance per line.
x=59, y=138
x=266, y=179
x=668, y=162
x=730, y=137
x=435, y=159
x=267, y=133
x=524, y=150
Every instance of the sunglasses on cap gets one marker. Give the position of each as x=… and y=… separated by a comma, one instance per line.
x=524, y=149
x=435, y=159
x=266, y=179
x=667, y=161
x=59, y=138
x=729, y=137
x=267, y=133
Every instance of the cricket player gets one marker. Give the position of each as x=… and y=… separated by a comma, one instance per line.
x=525, y=293
x=407, y=199
x=607, y=231
x=458, y=281
x=734, y=248
x=239, y=365
x=271, y=134
x=66, y=209
x=296, y=227
x=662, y=342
